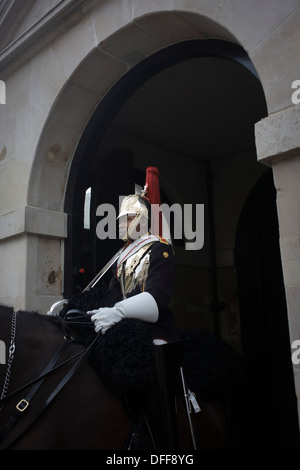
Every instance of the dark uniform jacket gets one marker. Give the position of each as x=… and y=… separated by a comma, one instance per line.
x=151, y=269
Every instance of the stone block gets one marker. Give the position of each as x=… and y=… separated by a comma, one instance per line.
x=291, y=271
x=169, y=27
x=144, y=7
x=28, y=127
x=49, y=190
x=277, y=136
x=7, y=136
x=290, y=248
x=14, y=177
x=45, y=222
x=247, y=23
x=276, y=60
x=131, y=44
x=12, y=275
x=46, y=81
x=75, y=108
x=49, y=267
x=33, y=220
x=288, y=214
x=75, y=45
x=209, y=9
x=206, y=26
x=98, y=72
x=287, y=182
x=111, y=16
x=252, y=22
x=18, y=94
x=12, y=223
x=293, y=302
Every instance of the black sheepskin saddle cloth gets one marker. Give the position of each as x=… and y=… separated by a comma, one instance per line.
x=124, y=356
x=125, y=360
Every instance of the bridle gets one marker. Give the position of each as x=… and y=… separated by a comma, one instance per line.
x=72, y=317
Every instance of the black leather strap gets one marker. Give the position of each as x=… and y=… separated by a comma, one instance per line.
x=24, y=403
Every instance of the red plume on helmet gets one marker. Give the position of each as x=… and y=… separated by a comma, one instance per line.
x=152, y=192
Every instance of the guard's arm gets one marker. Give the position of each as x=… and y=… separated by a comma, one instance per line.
x=141, y=306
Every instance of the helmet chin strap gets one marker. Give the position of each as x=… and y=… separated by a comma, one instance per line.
x=132, y=232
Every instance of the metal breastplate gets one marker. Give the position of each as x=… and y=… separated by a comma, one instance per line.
x=133, y=272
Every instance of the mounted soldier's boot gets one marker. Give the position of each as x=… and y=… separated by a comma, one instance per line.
x=155, y=424
x=168, y=358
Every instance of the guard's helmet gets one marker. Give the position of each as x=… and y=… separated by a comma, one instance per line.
x=139, y=205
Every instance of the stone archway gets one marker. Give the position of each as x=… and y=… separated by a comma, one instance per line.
x=86, y=88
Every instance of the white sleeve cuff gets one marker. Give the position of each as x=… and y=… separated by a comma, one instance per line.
x=141, y=306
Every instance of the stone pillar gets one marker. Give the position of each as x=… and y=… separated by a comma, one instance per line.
x=278, y=145
x=31, y=252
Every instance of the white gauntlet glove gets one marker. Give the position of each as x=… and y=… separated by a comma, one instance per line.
x=141, y=306
x=105, y=317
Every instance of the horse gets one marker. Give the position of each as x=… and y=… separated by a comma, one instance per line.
x=86, y=413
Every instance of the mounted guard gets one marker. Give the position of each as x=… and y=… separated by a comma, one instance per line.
x=144, y=276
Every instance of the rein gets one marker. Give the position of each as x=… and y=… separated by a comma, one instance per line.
x=24, y=403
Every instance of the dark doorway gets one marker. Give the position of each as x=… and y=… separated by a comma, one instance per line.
x=269, y=404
